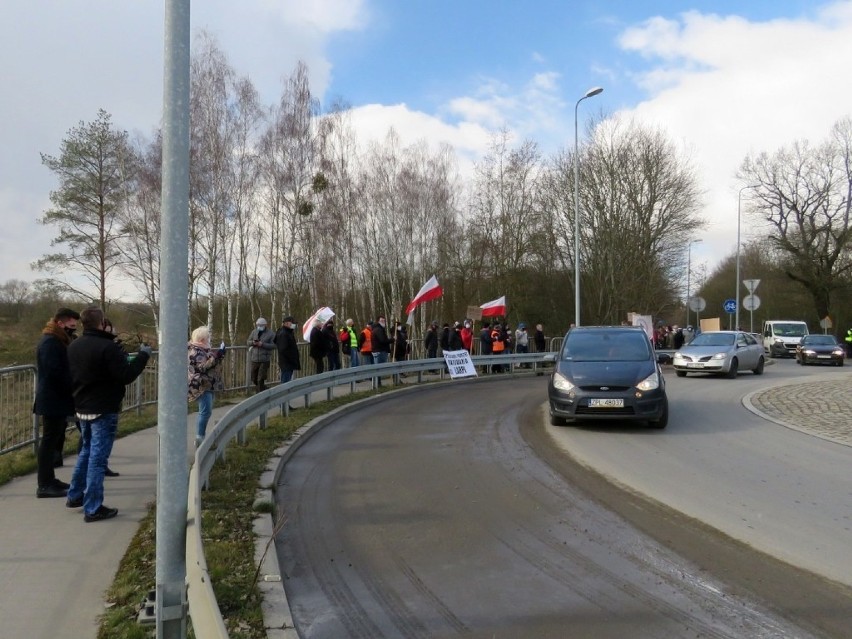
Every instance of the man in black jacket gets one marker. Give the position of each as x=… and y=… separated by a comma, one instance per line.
x=100, y=370
x=53, y=399
x=288, y=349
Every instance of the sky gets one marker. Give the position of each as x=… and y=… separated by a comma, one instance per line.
x=722, y=79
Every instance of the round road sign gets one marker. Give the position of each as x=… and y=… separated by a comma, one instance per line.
x=730, y=305
x=697, y=304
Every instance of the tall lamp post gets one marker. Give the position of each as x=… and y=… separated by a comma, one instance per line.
x=688, y=274
x=588, y=94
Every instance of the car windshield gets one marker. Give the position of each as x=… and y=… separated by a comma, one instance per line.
x=606, y=346
x=713, y=339
x=819, y=339
x=790, y=330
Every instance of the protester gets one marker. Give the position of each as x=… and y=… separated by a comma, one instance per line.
x=203, y=376
x=430, y=340
x=332, y=346
x=262, y=343
x=100, y=371
x=485, y=343
x=349, y=343
x=288, y=349
x=318, y=346
x=445, y=337
x=498, y=345
x=539, y=339
x=455, y=341
x=467, y=336
x=522, y=341
x=365, y=343
x=54, y=400
x=400, y=343
x=380, y=342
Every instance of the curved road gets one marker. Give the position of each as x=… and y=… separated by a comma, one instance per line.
x=451, y=511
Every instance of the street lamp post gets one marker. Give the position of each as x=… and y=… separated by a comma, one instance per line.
x=588, y=94
x=688, y=274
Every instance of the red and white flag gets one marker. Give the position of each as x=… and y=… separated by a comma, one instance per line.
x=431, y=290
x=494, y=307
x=323, y=315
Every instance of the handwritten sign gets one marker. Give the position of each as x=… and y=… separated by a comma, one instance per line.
x=459, y=364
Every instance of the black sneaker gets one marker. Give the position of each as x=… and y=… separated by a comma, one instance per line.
x=50, y=491
x=100, y=514
x=61, y=484
x=74, y=503
x=109, y=472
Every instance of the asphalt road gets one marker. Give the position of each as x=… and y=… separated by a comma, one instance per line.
x=453, y=512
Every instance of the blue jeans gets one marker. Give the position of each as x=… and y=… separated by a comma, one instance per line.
x=286, y=376
x=380, y=357
x=353, y=357
x=87, y=480
x=205, y=409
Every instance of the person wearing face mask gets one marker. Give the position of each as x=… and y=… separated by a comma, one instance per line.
x=54, y=400
x=262, y=343
x=288, y=349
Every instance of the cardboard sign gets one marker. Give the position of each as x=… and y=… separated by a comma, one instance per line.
x=459, y=364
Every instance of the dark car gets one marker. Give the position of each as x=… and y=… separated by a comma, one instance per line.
x=608, y=373
x=820, y=349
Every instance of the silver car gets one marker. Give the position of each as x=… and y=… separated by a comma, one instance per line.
x=720, y=352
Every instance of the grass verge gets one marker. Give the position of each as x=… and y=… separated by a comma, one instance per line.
x=227, y=519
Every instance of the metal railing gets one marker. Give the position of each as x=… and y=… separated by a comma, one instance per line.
x=19, y=426
x=203, y=608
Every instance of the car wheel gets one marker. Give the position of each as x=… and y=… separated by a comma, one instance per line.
x=758, y=370
x=556, y=421
x=680, y=373
x=840, y=363
x=664, y=418
x=732, y=371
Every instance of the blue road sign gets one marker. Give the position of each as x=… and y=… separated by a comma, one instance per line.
x=730, y=305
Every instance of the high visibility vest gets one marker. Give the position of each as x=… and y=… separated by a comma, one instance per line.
x=367, y=346
x=497, y=345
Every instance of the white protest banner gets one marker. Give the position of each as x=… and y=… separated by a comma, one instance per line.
x=459, y=364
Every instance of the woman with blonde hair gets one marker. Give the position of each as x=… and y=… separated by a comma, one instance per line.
x=204, y=377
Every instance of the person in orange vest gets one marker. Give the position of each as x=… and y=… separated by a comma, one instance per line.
x=498, y=346
x=365, y=343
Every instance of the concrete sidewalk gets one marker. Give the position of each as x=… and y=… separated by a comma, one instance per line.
x=54, y=567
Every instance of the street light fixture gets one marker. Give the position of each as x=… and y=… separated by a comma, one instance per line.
x=688, y=274
x=591, y=92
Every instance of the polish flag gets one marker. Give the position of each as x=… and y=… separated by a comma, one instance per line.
x=494, y=307
x=431, y=290
x=323, y=315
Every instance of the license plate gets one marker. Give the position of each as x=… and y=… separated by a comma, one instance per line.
x=823, y=356
x=606, y=402
x=695, y=364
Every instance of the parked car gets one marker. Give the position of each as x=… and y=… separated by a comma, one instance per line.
x=607, y=373
x=820, y=349
x=720, y=352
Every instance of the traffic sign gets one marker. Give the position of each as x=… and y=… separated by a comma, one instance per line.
x=697, y=304
x=730, y=305
x=826, y=322
x=751, y=302
x=751, y=285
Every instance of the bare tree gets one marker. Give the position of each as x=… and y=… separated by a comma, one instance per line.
x=96, y=170
x=804, y=193
x=639, y=205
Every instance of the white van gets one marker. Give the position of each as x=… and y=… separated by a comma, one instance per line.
x=780, y=337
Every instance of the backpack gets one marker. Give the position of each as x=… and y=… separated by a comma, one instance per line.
x=345, y=341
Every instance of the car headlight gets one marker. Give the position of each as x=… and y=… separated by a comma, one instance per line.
x=837, y=351
x=561, y=383
x=650, y=383
x=678, y=356
x=719, y=356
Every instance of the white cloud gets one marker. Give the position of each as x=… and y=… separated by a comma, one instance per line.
x=726, y=87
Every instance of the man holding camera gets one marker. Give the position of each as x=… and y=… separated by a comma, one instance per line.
x=100, y=370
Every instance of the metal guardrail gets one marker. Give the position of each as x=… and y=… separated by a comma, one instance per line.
x=207, y=619
x=19, y=427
